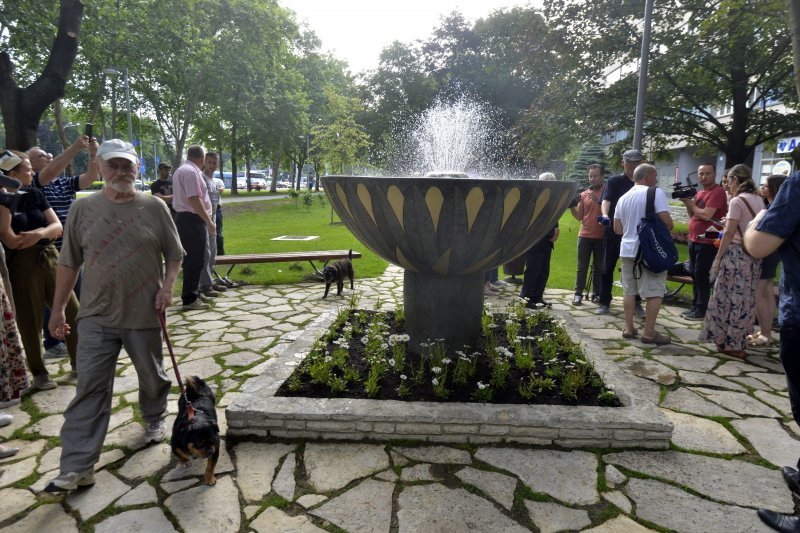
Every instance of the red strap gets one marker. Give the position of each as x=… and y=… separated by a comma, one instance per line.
x=163, y=319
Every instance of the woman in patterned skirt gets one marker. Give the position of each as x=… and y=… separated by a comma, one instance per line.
x=730, y=315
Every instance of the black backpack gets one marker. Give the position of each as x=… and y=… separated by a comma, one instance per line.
x=657, y=251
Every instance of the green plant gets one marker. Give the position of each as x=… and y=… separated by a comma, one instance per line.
x=541, y=383
x=337, y=384
x=294, y=195
x=512, y=329
x=372, y=384
x=308, y=200
x=321, y=198
x=606, y=397
x=524, y=356
x=465, y=369
x=400, y=313
x=483, y=393
x=403, y=389
x=571, y=383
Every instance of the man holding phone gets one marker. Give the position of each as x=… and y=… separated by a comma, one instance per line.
x=60, y=194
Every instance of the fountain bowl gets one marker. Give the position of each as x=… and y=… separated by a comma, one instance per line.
x=447, y=226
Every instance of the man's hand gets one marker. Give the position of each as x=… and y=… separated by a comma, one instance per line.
x=603, y=220
x=81, y=143
x=163, y=299
x=212, y=229
x=556, y=233
x=92, y=148
x=58, y=326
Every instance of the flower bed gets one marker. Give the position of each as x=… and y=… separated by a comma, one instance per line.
x=520, y=358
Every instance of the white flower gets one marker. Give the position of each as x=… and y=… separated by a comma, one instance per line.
x=446, y=361
x=364, y=340
x=405, y=337
x=481, y=385
x=328, y=359
x=436, y=369
x=391, y=362
x=460, y=353
x=435, y=381
x=403, y=377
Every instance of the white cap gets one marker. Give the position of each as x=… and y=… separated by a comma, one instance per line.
x=117, y=148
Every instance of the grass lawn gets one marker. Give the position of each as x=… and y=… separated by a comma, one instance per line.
x=248, y=228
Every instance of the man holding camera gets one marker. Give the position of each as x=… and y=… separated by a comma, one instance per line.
x=709, y=203
x=590, y=236
x=616, y=186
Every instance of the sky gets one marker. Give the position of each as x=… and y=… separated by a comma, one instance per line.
x=357, y=30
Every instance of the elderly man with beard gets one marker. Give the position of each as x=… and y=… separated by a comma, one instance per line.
x=122, y=238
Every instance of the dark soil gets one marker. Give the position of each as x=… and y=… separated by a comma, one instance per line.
x=300, y=383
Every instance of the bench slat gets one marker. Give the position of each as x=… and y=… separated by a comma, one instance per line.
x=280, y=257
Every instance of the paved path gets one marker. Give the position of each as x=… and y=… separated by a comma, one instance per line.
x=732, y=430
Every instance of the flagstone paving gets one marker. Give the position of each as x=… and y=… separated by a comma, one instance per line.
x=733, y=429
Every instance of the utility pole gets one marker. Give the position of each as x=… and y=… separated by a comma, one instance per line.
x=641, y=94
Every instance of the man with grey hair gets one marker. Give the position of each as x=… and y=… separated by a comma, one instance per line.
x=651, y=286
x=537, y=263
x=123, y=238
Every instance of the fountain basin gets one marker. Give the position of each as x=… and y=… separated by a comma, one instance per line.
x=445, y=233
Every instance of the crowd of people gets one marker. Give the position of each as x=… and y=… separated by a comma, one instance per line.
x=121, y=251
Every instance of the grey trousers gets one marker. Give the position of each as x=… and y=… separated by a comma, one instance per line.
x=207, y=274
x=87, y=417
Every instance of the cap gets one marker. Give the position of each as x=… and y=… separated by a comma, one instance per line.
x=632, y=155
x=117, y=148
x=164, y=165
x=9, y=160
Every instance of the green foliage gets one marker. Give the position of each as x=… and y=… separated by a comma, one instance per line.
x=588, y=154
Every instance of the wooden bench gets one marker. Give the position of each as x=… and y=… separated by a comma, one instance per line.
x=284, y=257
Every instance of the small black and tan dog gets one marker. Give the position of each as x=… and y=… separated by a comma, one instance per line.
x=338, y=271
x=195, y=434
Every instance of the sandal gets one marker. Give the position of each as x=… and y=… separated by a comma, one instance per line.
x=658, y=339
x=630, y=334
x=736, y=354
x=758, y=340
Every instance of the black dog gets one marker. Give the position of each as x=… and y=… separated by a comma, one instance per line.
x=338, y=271
x=195, y=433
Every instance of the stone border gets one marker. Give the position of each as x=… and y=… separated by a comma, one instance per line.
x=258, y=412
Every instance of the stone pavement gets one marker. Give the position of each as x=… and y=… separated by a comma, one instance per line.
x=733, y=428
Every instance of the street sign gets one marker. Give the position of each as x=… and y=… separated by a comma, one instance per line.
x=788, y=144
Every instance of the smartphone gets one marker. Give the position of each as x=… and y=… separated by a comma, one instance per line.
x=87, y=130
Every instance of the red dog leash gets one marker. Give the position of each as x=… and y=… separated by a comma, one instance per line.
x=162, y=317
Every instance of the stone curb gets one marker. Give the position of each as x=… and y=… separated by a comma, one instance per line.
x=256, y=411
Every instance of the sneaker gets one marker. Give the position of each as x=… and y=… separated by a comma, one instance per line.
x=499, y=283
x=155, y=432
x=5, y=419
x=211, y=293
x=7, y=451
x=43, y=382
x=219, y=287
x=59, y=351
x=488, y=287
x=595, y=299
x=689, y=311
x=203, y=298
x=197, y=304
x=71, y=481
x=577, y=300
x=230, y=283
x=640, y=312
x=602, y=310
x=696, y=315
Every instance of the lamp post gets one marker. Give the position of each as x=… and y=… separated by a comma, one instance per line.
x=641, y=94
x=124, y=71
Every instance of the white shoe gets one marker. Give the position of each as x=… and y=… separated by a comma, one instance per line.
x=155, y=432
x=71, y=481
x=5, y=419
x=197, y=304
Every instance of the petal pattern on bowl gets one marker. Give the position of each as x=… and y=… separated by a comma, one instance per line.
x=435, y=199
x=473, y=203
x=395, y=197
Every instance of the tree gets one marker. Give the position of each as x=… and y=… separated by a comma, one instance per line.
x=706, y=56
x=590, y=153
x=794, y=26
x=339, y=142
x=23, y=108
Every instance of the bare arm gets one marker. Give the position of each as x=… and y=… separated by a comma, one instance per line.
x=49, y=232
x=7, y=235
x=65, y=281
x=90, y=176
x=60, y=162
x=703, y=213
x=666, y=219
x=760, y=243
x=164, y=295
x=618, y=226
x=727, y=237
x=605, y=207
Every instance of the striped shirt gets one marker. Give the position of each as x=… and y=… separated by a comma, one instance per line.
x=60, y=193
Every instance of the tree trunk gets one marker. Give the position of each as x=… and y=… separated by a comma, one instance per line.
x=23, y=108
x=793, y=6
x=234, y=169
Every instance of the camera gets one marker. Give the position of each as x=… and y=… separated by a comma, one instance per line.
x=683, y=191
x=577, y=198
x=10, y=200
x=680, y=192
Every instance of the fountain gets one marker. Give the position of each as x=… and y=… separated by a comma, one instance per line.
x=446, y=230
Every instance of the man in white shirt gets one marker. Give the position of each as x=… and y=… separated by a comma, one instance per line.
x=649, y=285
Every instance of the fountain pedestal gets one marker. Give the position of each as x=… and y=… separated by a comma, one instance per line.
x=446, y=308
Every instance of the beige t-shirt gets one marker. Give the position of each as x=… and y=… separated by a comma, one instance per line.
x=122, y=248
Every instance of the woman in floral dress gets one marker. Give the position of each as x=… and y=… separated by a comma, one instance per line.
x=730, y=315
